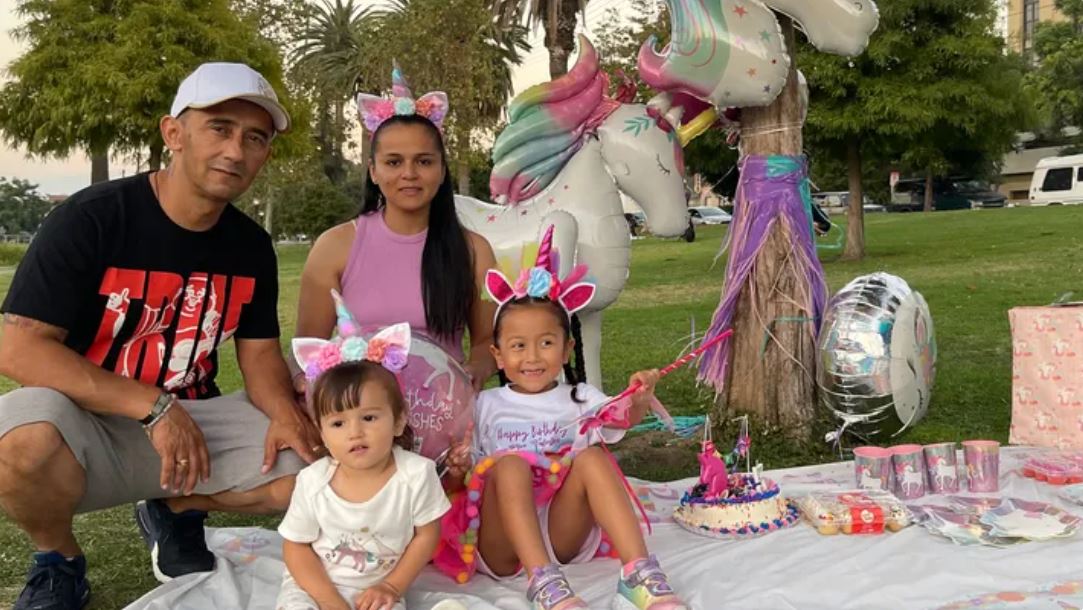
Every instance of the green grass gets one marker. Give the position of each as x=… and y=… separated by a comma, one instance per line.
x=971, y=266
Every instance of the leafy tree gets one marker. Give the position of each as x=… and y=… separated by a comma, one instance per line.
x=934, y=91
x=323, y=63
x=1057, y=83
x=22, y=207
x=98, y=75
x=299, y=198
x=458, y=47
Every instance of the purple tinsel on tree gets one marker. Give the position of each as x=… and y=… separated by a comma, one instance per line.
x=772, y=189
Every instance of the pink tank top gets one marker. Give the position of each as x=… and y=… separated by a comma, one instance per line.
x=381, y=283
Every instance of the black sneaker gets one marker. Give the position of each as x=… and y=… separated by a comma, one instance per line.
x=177, y=543
x=55, y=583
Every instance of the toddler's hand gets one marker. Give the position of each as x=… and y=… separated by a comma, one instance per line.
x=381, y=596
x=459, y=460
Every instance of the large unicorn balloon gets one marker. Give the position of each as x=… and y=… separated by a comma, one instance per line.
x=568, y=153
x=731, y=52
x=728, y=53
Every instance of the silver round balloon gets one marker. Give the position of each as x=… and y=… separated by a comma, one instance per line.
x=877, y=355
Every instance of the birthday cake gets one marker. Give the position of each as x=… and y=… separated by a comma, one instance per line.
x=732, y=505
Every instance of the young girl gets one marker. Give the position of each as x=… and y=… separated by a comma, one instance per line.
x=364, y=521
x=544, y=494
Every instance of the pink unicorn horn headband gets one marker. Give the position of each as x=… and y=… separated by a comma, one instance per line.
x=390, y=347
x=374, y=110
x=540, y=281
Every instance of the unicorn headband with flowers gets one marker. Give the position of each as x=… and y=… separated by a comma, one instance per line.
x=375, y=110
x=540, y=281
x=390, y=347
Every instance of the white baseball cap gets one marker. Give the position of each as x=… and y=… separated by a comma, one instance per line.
x=214, y=83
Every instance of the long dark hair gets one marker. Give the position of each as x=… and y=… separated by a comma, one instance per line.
x=340, y=389
x=574, y=372
x=448, y=286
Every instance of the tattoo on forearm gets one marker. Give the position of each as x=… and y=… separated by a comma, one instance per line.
x=37, y=326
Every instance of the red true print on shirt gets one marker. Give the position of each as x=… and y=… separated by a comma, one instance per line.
x=204, y=311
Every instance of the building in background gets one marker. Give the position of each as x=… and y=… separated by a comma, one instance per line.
x=1023, y=16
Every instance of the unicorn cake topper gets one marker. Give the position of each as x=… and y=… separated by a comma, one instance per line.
x=375, y=110
x=540, y=281
x=390, y=347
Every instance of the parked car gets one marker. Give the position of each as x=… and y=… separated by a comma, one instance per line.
x=637, y=222
x=1057, y=181
x=832, y=200
x=948, y=194
x=704, y=215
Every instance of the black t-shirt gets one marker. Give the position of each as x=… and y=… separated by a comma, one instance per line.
x=140, y=295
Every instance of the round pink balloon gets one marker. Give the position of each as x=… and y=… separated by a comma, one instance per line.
x=438, y=393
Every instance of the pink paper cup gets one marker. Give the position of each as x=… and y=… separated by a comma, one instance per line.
x=872, y=468
x=941, y=468
x=982, y=465
x=908, y=461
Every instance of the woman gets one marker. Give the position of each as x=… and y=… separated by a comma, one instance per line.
x=406, y=257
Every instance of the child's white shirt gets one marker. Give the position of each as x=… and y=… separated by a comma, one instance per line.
x=506, y=420
x=359, y=543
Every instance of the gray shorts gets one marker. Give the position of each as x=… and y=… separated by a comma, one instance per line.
x=120, y=463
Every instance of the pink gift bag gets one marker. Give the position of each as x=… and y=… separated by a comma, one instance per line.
x=1047, y=376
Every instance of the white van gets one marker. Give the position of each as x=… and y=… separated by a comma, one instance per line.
x=1057, y=180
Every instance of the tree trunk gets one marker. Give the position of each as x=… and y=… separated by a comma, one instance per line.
x=99, y=166
x=464, y=178
x=268, y=214
x=154, y=161
x=928, y=191
x=337, y=137
x=773, y=382
x=855, y=215
x=560, y=35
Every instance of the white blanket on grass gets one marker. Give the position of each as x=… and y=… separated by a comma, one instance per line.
x=796, y=568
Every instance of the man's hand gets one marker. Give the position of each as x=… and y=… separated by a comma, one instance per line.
x=179, y=442
x=290, y=430
x=300, y=387
x=381, y=596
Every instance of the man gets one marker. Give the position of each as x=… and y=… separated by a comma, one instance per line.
x=112, y=325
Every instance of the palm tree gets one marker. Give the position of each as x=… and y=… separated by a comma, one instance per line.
x=493, y=46
x=558, y=17
x=323, y=59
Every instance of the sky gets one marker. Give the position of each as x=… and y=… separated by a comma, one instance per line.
x=65, y=176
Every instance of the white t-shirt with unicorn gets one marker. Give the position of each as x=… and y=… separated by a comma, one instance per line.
x=359, y=543
x=506, y=420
